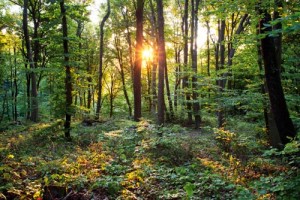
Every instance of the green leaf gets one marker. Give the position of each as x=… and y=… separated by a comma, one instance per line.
x=189, y=189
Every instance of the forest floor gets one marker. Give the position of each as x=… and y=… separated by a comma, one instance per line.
x=121, y=159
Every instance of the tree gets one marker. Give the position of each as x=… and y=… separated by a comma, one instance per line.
x=220, y=64
x=194, y=49
x=138, y=61
x=185, y=61
x=100, y=70
x=119, y=55
x=162, y=63
x=153, y=24
x=34, y=102
x=68, y=78
x=272, y=75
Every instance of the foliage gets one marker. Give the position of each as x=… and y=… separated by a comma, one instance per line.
x=121, y=159
x=115, y=158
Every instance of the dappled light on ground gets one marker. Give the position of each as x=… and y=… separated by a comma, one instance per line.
x=129, y=160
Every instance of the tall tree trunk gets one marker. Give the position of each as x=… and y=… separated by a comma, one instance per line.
x=79, y=30
x=162, y=63
x=272, y=75
x=122, y=73
x=171, y=110
x=68, y=79
x=177, y=77
x=28, y=95
x=36, y=50
x=149, y=79
x=100, y=69
x=11, y=84
x=194, y=37
x=185, y=83
x=89, y=78
x=138, y=61
x=33, y=97
x=154, y=63
x=111, y=96
x=263, y=88
x=208, y=47
x=220, y=113
x=15, y=97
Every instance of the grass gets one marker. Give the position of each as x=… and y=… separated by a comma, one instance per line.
x=121, y=159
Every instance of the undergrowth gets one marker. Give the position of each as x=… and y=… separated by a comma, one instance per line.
x=121, y=159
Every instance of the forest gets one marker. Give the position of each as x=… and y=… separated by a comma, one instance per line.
x=149, y=99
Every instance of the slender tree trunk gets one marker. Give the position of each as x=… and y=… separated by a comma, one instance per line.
x=79, y=30
x=171, y=110
x=15, y=97
x=89, y=96
x=11, y=83
x=122, y=73
x=28, y=112
x=208, y=47
x=185, y=84
x=154, y=87
x=138, y=61
x=154, y=63
x=162, y=63
x=125, y=92
x=100, y=69
x=34, y=82
x=177, y=78
x=89, y=79
x=148, y=68
x=220, y=113
x=33, y=96
x=194, y=32
x=111, y=97
x=68, y=79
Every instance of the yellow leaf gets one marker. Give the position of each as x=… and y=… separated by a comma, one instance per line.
x=10, y=156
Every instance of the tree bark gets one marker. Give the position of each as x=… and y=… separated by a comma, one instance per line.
x=171, y=110
x=161, y=63
x=35, y=8
x=33, y=97
x=154, y=63
x=208, y=47
x=100, y=69
x=177, y=77
x=68, y=79
x=185, y=84
x=15, y=96
x=263, y=88
x=138, y=61
x=220, y=113
x=194, y=37
x=272, y=75
x=122, y=73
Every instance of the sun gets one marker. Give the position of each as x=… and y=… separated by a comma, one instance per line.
x=147, y=54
